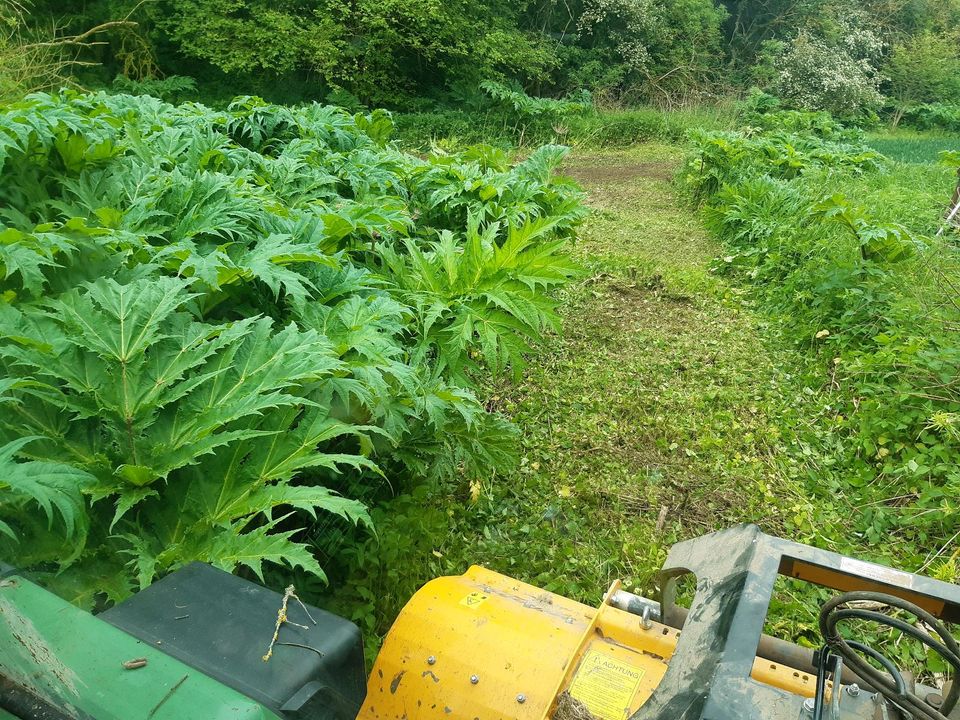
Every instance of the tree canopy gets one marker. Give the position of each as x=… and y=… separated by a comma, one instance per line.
x=407, y=53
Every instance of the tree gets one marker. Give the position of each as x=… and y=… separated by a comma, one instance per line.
x=40, y=58
x=380, y=50
x=663, y=47
x=922, y=69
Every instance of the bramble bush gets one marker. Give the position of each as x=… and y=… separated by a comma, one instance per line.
x=213, y=321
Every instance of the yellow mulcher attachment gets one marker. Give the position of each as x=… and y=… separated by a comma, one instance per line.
x=483, y=646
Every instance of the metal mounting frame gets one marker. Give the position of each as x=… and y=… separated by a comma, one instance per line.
x=709, y=674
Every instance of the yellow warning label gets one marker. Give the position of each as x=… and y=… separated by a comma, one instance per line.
x=606, y=685
x=474, y=599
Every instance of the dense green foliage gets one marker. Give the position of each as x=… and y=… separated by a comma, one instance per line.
x=212, y=321
x=663, y=395
x=393, y=53
x=244, y=333
x=839, y=55
x=933, y=116
x=451, y=128
x=841, y=249
x=924, y=69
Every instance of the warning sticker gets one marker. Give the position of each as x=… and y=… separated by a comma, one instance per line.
x=474, y=599
x=606, y=685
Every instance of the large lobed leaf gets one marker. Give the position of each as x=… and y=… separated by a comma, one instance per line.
x=209, y=318
x=56, y=488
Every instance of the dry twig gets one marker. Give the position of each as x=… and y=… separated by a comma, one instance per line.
x=282, y=618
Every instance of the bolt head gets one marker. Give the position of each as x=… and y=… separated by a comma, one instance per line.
x=521, y=698
x=474, y=679
x=431, y=660
x=809, y=704
x=853, y=689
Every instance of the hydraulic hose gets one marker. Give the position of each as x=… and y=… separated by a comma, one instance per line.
x=890, y=682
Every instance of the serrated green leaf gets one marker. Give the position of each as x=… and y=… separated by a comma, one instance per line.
x=55, y=487
x=233, y=547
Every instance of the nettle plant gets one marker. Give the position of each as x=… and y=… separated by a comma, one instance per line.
x=211, y=320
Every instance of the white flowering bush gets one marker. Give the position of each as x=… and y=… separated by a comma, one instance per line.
x=813, y=75
x=629, y=23
x=857, y=34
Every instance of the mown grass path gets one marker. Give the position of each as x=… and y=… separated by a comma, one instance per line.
x=658, y=414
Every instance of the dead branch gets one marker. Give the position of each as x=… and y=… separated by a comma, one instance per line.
x=83, y=38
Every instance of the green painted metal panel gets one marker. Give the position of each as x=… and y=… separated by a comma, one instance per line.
x=76, y=661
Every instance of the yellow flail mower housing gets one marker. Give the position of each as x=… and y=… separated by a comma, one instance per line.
x=483, y=646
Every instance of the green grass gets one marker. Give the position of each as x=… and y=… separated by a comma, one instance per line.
x=603, y=128
x=914, y=194
x=662, y=412
x=908, y=146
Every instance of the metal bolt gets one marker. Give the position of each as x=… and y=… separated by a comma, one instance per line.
x=853, y=689
x=809, y=705
x=474, y=679
x=521, y=698
x=431, y=660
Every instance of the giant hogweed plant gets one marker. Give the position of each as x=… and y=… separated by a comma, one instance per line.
x=211, y=319
x=481, y=302
x=194, y=430
x=723, y=157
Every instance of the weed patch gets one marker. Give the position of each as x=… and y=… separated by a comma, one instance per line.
x=847, y=260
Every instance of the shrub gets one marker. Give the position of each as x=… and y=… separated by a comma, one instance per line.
x=211, y=321
x=813, y=75
x=924, y=68
x=931, y=116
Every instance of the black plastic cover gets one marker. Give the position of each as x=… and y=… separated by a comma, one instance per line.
x=222, y=625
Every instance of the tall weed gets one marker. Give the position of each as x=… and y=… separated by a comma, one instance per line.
x=213, y=323
x=840, y=246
